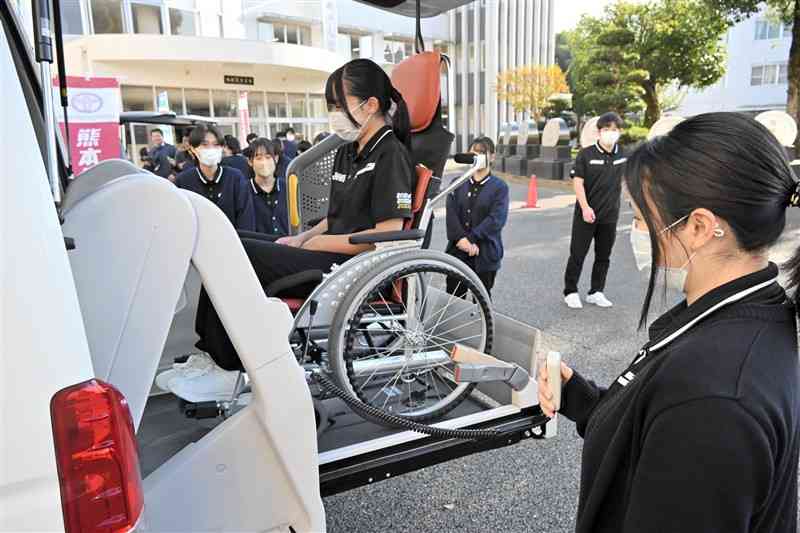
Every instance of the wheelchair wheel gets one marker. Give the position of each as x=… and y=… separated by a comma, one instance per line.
x=394, y=329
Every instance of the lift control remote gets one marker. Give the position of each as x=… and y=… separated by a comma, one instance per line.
x=554, y=377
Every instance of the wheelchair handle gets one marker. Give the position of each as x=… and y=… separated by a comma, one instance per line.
x=477, y=162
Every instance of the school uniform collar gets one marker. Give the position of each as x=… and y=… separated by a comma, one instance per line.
x=259, y=190
x=683, y=317
x=480, y=183
x=614, y=151
x=204, y=181
x=376, y=138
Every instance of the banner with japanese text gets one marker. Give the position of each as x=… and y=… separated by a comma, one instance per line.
x=93, y=113
x=244, y=116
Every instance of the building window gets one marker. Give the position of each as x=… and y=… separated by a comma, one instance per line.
x=276, y=105
x=221, y=20
x=756, y=75
x=71, y=19
x=255, y=104
x=226, y=103
x=174, y=98
x=772, y=29
x=107, y=16
x=458, y=26
x=197, y=102
x=774, y=74
x=182, y=17
x=317, y=105
x=297, y=103
x=136, y=98
x=396, y=51
x=146, y=18
x=284, y=33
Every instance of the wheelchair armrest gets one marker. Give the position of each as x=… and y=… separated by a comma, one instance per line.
x=387, y=236
x=295, y=280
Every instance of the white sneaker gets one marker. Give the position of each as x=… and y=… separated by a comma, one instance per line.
x=195, y=365
x=214, y=384
x=573, y=301
x=599, y=299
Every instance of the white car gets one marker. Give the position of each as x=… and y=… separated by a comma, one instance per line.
x=90, y=295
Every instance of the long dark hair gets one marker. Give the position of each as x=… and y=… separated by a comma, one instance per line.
x=725, y=162
x=364, y=79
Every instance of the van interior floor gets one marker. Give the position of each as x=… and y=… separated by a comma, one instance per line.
x=165, y=431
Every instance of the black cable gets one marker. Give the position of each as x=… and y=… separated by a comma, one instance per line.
x=419, y=44
x=373, y=412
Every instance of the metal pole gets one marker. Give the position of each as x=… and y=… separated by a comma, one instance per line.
x=43, y=46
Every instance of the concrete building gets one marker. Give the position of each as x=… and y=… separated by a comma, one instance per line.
x=203, y=56
x=492, y=36
x=756, y=73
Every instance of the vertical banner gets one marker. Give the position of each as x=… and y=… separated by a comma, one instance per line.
x=330, y=25
x=244, y=117
x=94, y=107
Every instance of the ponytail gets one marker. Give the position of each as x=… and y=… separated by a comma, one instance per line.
x=401, y=121
x=364, y=79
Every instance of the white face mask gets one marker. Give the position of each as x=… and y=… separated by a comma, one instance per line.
x=290, y=137
x=674, y=278
x=642, y=248
x=342, y=126
x=209, y=157
x=264, y=168
x=609, y=138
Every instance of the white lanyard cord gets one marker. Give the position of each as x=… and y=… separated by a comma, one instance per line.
x=727, y=301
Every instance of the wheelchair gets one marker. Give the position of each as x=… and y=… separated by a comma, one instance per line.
x=382, y=325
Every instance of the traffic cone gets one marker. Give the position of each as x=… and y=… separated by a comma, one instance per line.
x=533, y=193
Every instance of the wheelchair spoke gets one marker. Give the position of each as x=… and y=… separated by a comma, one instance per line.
x=451, y=318
x=397, y=341
x=475, y=321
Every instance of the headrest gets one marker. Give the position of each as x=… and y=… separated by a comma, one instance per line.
x=418, y=80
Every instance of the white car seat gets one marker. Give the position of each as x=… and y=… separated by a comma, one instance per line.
x=257, y=471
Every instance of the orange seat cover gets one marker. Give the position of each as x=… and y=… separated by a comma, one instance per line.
x=418, y=80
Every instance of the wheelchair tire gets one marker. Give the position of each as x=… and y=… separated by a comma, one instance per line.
x=357, y=307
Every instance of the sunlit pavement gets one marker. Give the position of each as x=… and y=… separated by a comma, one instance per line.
x=533, y=486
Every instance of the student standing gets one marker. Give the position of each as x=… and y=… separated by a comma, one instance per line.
x=162, y=154
x=476, y=214
x=701, y=432
x=232, y=156
x=225, y=186
x=269, y=192
x=597, y=179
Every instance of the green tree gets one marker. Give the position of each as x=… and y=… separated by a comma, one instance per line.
x=601, y=76
x=788, y=11
x=563, y=53
x=637, y=50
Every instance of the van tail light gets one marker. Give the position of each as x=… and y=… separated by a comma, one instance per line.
x=97, y=459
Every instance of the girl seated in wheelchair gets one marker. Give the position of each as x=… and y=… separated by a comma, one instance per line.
x=371, y=189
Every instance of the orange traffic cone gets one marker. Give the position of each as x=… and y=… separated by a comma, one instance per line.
x=533, y=193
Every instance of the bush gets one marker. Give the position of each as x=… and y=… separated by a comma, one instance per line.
x=633, y=135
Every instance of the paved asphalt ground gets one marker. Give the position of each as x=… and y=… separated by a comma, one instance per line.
x=532, y=486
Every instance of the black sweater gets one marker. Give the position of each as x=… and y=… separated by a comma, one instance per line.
x=700, y=434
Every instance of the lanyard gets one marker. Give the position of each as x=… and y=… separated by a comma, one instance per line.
x=628, y=376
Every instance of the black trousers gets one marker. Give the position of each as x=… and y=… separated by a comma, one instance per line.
x=604, y=236
x=487, y=278
x=271, y=262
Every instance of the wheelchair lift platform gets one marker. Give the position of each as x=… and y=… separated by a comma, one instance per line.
x=353, y=451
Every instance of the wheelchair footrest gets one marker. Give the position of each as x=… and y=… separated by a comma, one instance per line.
x=473, y=366
x=202, y=410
